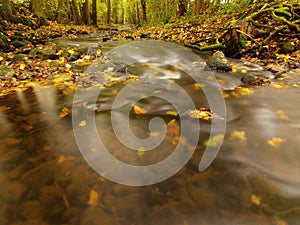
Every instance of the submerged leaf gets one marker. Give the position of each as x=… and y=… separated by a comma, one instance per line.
x=137, y=110
x=282, y=114
x=214, y=141
x=64, y=112
x=94, y=198
x=255, y=199
x=82, y=123
x=238, y=136
x=276, y=142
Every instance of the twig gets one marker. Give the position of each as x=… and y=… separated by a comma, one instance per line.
x=63, y=195
x=272, y=34
x=247, y=35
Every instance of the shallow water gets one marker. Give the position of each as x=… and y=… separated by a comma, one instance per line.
x=254, y=179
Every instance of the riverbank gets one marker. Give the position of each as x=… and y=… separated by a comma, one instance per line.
x=28, y=56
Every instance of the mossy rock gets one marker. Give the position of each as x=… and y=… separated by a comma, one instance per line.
x=288, y=47
x=18, y=43
x=219, y=62
x=45, y=54
x=26, y=21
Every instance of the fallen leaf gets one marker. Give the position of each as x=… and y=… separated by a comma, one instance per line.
x=172, y=113
x=22, y=66
x=94, y=198
x=238, y=136
x=214, y=141
x=202, y=113
x=62, y=159
x=255, y=199
x=282, y=114
x=141, y=151
x=71, y=51
x=82, y=123
x=64, y=112
x=276, y=142
x=137, y=110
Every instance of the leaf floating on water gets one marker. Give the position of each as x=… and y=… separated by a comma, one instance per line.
x=282, y=114
x=202, y=113
x=94, y=198
x=139, y=111
x=64, y=112
x=238, y=136
x=242, y=91
x=255, y=199
x=82, y=123
x=141, y=151
x=214, y=141
x=172, y=113
x=276, y=142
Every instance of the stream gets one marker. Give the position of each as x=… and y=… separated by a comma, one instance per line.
x=46, y=178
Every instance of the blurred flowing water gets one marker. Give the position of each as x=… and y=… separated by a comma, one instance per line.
x=254, y=180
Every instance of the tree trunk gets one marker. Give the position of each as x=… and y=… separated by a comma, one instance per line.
x=94, y=13
x=6, y=11
x=75, y=11
x=182, y=7
x=39, y=8
x=86, y=13
x=62, y=12
x=144, y=10
x=138, y=20
x=108, y=12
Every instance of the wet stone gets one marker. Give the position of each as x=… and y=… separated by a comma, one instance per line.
x=78, y=194
x=12, y=191
x=50, y=195
x=96, y=216
x=219, y=62
x=32, y=210
x=40, y=176
x=12, y=158
x=131, y=207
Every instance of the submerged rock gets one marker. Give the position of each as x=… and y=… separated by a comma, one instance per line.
x=218, y=61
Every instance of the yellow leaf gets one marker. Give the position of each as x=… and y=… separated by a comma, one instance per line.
x=215, y=140
x=141, y=151
x=202, y=113
x=62, y=159
x=1, y=58
x=71, y=51
x=255, y=199
x=64, y=112
x=137, y=110
x=94, y=198
x=22, y=66
x=82, y=123
x=282, y=114
x=238, y=136
x=276, y=142
x=197, y=86
x=242, y=91
x=172, y=113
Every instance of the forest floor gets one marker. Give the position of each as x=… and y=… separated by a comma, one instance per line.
x=26, y=57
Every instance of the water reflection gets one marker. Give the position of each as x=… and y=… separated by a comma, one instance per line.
x=254, y=180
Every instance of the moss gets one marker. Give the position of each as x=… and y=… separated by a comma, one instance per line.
x=243, y=40
x=3, y=38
